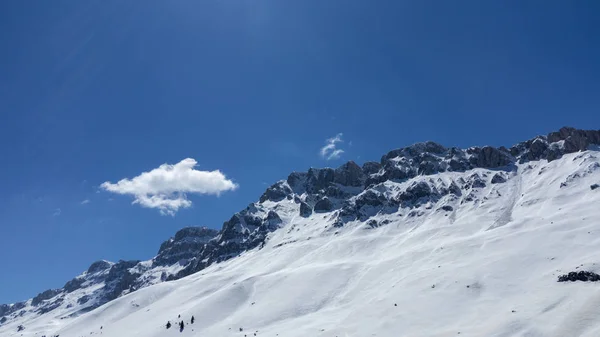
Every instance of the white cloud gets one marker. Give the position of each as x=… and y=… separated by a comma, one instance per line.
x=86, y=201
x=56, y=212
x=165, y=187
x=330, y=150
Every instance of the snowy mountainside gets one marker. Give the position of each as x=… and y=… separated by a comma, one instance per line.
x=430, y=241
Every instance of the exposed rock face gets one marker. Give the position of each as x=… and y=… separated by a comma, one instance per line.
x=48, y=294
x=323, y=205
x=349, y=174
x=498, y=178
x=417, y=191
x=119, y=279
x=370, y=198
x=276, y=192
x=273, y=221
x=371, y=167
x=556, y=144
x=185, y=245
x=99, y=266
x=475, y=181
x=305, y=210
x=74, y=284
x=447, y=208
x=583, y=276
x=575, y=140
x=319, y=179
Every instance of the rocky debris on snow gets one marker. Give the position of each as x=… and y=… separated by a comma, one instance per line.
x=583, y=276
x=475, y=181
x=418, y=193
x=594, y=186
x=498, y=178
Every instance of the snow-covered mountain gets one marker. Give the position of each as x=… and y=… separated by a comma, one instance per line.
x=430, y=241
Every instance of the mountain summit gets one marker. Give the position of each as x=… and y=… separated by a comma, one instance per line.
x=342, y=246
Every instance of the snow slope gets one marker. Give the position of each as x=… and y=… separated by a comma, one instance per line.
x=487, y=268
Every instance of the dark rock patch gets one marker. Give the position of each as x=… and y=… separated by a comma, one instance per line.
x=46, y=295
x=349, y=174
x=371, y=167
x=498, y=178
x=323, y=205
x=305, y=210
x=276, y=192
x=584, y=276
x=98, y=266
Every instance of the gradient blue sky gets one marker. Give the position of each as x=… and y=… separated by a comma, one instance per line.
x=95, y=91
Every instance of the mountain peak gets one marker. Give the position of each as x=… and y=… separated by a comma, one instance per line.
x=99, y=266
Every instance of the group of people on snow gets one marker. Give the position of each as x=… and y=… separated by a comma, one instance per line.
x=181, y=323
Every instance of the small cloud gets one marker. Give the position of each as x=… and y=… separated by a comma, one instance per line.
x=56, y=212
x=165, y=187
x=86, y=201
x=330, y=150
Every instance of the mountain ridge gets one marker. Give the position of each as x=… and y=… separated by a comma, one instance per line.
x=350, y=191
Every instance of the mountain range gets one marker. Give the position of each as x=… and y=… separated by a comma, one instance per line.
x=323, y=252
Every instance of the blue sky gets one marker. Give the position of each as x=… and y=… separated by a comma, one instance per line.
x=98, y=91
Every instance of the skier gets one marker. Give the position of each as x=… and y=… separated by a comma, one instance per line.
x=192, y=320
x=168, y=324
x=181, y=326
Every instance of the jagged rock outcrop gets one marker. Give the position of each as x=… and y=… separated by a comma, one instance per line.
x=184, y=246
x=48, y=294
x=555, y=144
x=498, y=178
x=323, y=205
x=119, y=279
x=371, y=167
x=349, y=174
x=318, y=179
x=305, y=210
x=276, y=192
x=99, y=266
